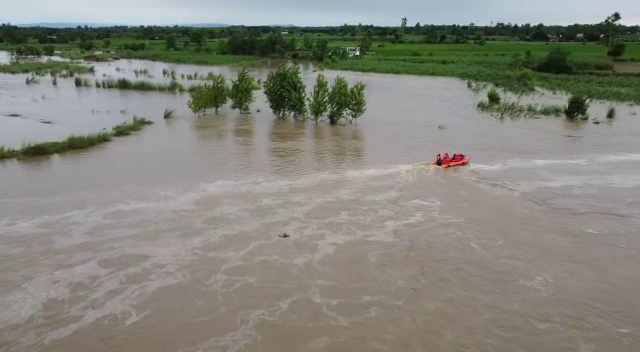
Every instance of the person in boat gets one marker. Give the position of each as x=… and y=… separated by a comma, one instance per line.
x=461, y=157
x=455, y=158
x=446, y=159
x=438, y=160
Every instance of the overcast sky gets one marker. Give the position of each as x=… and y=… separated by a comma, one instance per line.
x=316, y=12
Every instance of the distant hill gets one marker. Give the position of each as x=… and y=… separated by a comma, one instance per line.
x=102, y=25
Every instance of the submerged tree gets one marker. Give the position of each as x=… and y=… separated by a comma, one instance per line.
x=319, y=101
x=357, y=101
x=285, y=92
x=339, y=100
x=577, y=107
x=242, y=91
x=212, y=96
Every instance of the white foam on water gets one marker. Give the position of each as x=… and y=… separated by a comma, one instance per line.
x=154, y=229
x=531, y=163
x=616, y=181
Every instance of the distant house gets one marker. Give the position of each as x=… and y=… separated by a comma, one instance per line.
x=284, y=32
x=580, y=36
x=353, y=52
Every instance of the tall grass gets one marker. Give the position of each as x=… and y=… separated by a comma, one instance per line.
x=82, y=82
x=126, y=128
x=515, y=110
x=74, y=142
x=123, y=83
x=62, y=69
x=168, y=114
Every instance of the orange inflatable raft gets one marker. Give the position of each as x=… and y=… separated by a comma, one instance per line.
x=464, y=161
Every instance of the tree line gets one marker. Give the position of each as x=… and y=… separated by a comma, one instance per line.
x=534, y=32
x=286, y=94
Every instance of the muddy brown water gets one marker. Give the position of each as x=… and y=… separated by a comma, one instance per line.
x=166, y=240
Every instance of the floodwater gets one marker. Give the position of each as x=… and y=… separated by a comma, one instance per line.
x=167, y=240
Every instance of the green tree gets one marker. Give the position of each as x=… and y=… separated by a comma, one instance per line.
x=106, y=43
x=285, y=92
x=616, y=50
x=399, y=33
x=242, y=91
x=557, y=61
x=48, y=50
x=219, y=92
x=339, y=100
x=321, y=51
x=357, y=101
x=610, y=25
x=307, y=43
x=170, y=42
x=86, y=45
x=213, y=95
x=198, y=37
x=199, y=102
x=319, y=101
x=366, y=41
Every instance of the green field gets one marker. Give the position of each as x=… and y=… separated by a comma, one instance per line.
x=491, y=63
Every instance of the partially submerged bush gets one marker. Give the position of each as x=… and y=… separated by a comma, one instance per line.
x=611, y=113
x=557, y=61
x=577, y=107
x=242, y=91
x=213, y=95
x=493, y=97
x=319, y=101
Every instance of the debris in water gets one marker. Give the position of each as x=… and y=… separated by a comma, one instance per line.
x=283, y=236
x=442, y=127
x=413, y=288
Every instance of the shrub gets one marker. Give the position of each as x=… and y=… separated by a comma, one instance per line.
x=557, y=61
x=493, y=96
x=611, y=113
x=319, y=101
x=357, y=101
x=577, y=107
x=48, y=50
x=339, y=100
x=616, y=50
x=242, y=91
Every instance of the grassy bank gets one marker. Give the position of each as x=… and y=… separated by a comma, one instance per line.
x=74, y=142
x=43, y=68
x=492, y=62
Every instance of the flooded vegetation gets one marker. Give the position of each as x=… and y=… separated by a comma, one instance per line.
x=73, y=142
x=101, y=242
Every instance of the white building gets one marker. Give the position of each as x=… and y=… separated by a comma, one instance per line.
x=353, y=52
